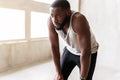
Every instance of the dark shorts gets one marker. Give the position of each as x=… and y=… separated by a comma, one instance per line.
x=69, y=61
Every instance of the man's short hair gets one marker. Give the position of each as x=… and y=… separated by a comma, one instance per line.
x=64, y=4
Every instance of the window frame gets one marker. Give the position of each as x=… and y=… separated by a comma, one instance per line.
x=28, y=6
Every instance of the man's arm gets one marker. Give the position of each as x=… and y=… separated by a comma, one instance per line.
x=53, y=36
x=81, y=27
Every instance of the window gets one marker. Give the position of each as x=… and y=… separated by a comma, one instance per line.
x=39, y=24
x=12, y=24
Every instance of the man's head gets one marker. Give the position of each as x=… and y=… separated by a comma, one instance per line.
x=64, y=4
x=60, y=12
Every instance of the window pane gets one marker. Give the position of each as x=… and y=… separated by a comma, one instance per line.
x=39, y=24
x=45, y=1
x=12, y=24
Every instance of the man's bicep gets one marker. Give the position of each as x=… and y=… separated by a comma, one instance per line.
x=53, y=36
x=84, y=43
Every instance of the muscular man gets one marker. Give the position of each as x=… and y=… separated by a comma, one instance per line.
x=80, y=44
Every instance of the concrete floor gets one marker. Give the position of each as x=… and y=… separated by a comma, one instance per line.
x=36, y=72
x=46, y=71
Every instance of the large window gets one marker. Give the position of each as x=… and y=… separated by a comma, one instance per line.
x=23, y=19
x=39, y=24
x=12, y=24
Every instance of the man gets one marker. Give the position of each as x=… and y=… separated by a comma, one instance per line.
x=81, y=46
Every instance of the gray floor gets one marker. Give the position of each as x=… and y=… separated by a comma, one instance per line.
x=46, y=71
x=37, y=72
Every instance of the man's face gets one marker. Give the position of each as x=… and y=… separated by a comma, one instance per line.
x=58, y=15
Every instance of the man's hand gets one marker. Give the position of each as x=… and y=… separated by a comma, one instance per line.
x=59, y=77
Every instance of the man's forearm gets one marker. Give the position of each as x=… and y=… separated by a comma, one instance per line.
x=56, y=58
x=85, y=65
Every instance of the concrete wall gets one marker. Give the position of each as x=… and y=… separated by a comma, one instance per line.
x=104, y=19
x=16, y=54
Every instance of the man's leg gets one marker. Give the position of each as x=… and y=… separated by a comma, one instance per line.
x=67, y=64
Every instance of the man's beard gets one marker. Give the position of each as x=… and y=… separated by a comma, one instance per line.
x=66, y=20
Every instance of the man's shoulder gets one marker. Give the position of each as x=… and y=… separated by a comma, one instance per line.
x=78, y=18
x=78, y=15
x=78, y=21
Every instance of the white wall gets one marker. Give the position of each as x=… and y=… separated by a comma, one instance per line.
x=23, y=53
x=104, y=19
